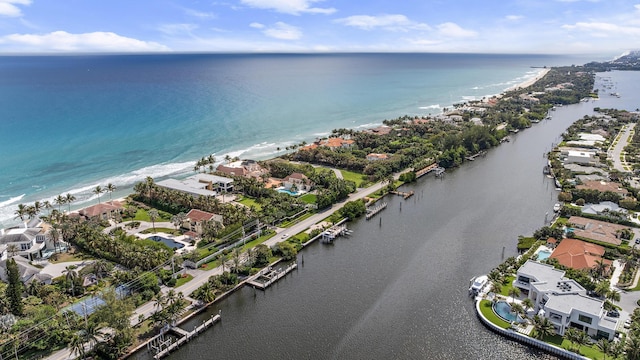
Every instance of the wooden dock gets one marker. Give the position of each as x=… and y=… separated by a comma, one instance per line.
x=161, y=347
x=405, y=195
x=268, y=276
x=329, y=235
x=372, y=211
x=426, y=170
x=474, y=156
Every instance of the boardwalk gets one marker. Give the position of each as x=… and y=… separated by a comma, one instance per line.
x=161, y=347
x=372, y=211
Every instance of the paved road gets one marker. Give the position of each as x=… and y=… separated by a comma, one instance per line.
x=614, y=153
x=200, y=276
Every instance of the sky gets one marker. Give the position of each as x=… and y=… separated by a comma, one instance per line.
x=478, y=26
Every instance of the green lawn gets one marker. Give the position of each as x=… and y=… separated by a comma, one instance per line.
x=162, y=230
x=353, y=176
x=258, y=241
x=143, y=215
x=508, y=286
x=249, y=202
x=486, y=308
x=183, y=280
x=309, y=198
x=591, y=352
x=287, y=224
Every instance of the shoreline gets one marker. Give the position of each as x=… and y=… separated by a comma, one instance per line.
x=529, y=82
x=83, y=190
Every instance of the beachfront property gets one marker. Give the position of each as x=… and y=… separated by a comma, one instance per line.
x=244, y=168
x=199, y=185
x=27, y=242
x=376, y=157
x=298, y=181
x=103, y=211
x=332, y=143
x=196, y=219
x=596, y=230
x=26, y=271
x=579, y=255
x=563, y=301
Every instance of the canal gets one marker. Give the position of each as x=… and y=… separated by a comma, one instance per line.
x=398, y=289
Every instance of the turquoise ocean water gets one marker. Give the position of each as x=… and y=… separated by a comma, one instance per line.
x=69, y=123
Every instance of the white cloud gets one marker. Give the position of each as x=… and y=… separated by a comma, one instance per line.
x=513, y=17
x=199, y=14
x=602, y=29
x=450, y=29
x=87, y=42
x=256, y=25
x=395, y=22
x=293, y=7
x=283, y=31
x=174, y=29
x=9, y=8
x=637, y=6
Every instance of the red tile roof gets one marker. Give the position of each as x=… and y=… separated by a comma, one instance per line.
x=199, y=215
x=578, y=254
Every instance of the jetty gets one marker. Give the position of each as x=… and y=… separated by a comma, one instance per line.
x=268, y=276
x=405, y=195
x=474, y=156
x=372, y=211
x=329, y=235
x=162, y=345
x=433, y=167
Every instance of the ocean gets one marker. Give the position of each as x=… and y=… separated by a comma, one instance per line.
x=70, y=123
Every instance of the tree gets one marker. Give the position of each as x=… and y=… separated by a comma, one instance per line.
x=153, y=215
x=205, y=293
x=21, y=211
x=77, y=345
x=178, y=219
x=13, y=249
x=527, y=304
x=599, y=268
x=60, y=200
x=632, y=348
x=543, y=327
x=14, y=288
x=514, y=292
x=71, y=277
x=613, y=295
x=110, y=189
x=69, y=199
x=605, y=346
x=98, y=190
x=571, y=334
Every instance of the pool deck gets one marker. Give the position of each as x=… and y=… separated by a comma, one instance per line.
x=543, y=248
x=182, y=239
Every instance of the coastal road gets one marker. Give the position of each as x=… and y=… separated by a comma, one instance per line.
x=200, y=277
x=615, y=151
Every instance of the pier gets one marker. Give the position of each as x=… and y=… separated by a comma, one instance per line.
x=162, y=346
x=268, y=276
x=329, y=235
x=474, y=156
x=372, y=211
x=426, y=170
x=405, y=195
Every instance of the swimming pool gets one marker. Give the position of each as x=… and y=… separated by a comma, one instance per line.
x=503, y=309
x=170, y=243
x=543, y=254
x=289, y=192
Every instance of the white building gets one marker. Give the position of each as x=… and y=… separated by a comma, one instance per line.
x=199, y=185
x=563, y=301
x=26, y=242
x=581, y=157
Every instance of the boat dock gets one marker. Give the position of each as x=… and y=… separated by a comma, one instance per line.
x=162, y=346
x=335, y=231
x=405, y=195
x=474, y=156
x=372, y=211
x=268, y=276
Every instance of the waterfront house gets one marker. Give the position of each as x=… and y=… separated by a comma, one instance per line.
x=596, y=230
x=199, y=185
x=332, y=143
x=604, y=186
x=563, y=301
x=24, y=241
x=196, y=219
x=376, y=157
x=244, y=168
x=26, y=271
x=581, y=157
x=601, y=208
x=552, y=243
x=104, y=211
x=579, y=255
x=298, y=180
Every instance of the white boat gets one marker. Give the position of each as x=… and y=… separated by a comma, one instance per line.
x=477, y=284
x=557, y=207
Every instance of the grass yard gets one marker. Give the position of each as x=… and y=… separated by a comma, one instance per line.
x=162, y=230
x=258, y=241
x=486, y=308
x=309, y=198
x=353, y=176
x=143, y=215
x=183, y=280
x=287, y=224
x=249, y=202
x=508, y=286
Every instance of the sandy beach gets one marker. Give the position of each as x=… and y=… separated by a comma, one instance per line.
x=531, y=81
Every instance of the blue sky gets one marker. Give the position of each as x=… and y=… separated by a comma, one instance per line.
x=493, y=26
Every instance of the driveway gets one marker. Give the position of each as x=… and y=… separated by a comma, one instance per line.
x=614, y=153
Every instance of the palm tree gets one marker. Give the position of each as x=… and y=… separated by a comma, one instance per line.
x=632, y=348
x=22, y=211
x=605, y=346
x=110, y=189
x=153, y=215
x=178, y=219
x=47, y=206
x=206, y=293
x=54, y=233
x=543, y=326
x=514, y=292
x=100, y=267
x=60, y=200
x=12, y=249
x=77, y=345
x=599, y=268
x=602, y=287
x=571, y=334
x=527, y=304
x=71, y=276
x=613, y=295
x=582, y=339
x=517, y=309
x=91, y=334
x=98, y=190
x=69, y=199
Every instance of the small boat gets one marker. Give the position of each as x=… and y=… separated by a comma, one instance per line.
x=477, y=284
x=557, y=207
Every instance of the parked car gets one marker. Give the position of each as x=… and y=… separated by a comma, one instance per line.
x=638, y=241
x=284, y=236
x=627, y=323
x=613, y=313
